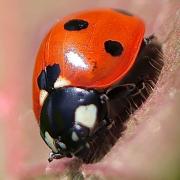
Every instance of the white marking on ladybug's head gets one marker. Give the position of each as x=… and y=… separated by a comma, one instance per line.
x=75, y=136
x=61, y=82
x=50, y=141
x=42, y=96
x=76, y=60
x=86, y=115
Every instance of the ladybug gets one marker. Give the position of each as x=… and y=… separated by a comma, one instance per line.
x=93, y=70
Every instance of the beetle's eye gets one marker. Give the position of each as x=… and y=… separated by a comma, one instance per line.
x=79, y=131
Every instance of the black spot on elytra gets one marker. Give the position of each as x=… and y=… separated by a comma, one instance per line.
x=48, y=77
x=123, y=12
x=76, y=25
x=113, y=47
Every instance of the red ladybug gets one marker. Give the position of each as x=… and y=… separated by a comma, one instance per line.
x=93, y=70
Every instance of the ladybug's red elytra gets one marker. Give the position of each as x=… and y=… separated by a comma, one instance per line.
x=93, y=69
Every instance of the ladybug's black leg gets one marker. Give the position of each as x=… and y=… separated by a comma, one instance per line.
x=53, y=156
x=123, y=90
x=146, y=41
x=149, y=39
x=138, y=90
x=58, y=155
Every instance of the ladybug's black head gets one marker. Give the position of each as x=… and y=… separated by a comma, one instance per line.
x=69, y=117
